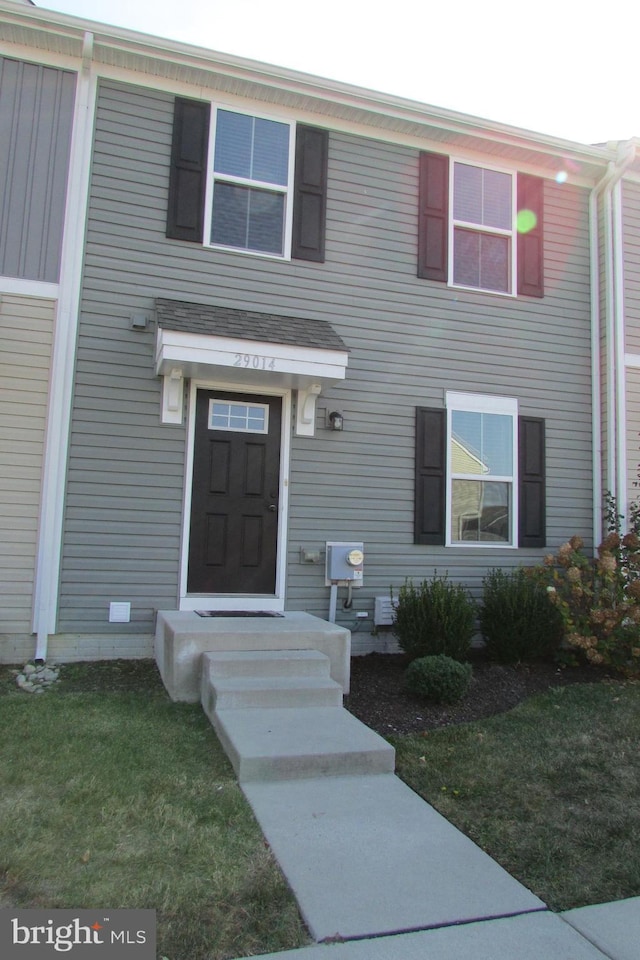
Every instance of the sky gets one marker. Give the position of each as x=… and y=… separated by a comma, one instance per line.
x=567, y=69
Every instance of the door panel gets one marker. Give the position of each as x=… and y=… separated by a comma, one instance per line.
x=234, y=506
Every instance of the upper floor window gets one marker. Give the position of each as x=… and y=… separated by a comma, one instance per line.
x=256, y=184
x=480, y=228
x=252, y=167
x=483, y=227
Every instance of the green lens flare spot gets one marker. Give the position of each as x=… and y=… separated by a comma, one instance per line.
x=525, y=221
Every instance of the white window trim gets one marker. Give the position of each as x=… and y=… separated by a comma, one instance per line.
x=482, y=403
x=287, y=190
x=478, y=228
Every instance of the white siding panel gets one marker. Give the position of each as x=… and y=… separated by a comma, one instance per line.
x=26, y=329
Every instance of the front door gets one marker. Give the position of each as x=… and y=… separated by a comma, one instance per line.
x=234, y=506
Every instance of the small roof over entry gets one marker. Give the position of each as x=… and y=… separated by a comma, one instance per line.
x=249, y=348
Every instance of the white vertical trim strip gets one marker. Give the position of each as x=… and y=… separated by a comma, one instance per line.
x=58, y=427
x=619, y=334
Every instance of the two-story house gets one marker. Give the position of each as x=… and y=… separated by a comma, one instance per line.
x=247, y=313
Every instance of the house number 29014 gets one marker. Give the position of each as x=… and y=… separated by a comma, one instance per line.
x=254, y=361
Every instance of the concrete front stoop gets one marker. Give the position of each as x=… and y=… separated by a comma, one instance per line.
x=279, y=716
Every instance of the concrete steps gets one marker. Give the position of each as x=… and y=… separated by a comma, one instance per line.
x=279, y=716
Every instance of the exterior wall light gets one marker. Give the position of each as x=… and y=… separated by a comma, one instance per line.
x=336, y=421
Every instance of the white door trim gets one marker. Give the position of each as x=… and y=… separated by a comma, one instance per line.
x=237, y=601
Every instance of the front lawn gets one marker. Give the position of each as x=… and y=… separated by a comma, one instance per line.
x=551, y=790
x=116, y=797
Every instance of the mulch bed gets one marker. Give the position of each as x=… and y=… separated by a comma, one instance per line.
x=378, y=696
x=379, y=699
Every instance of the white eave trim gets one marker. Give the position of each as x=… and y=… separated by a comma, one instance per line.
x=249, y=363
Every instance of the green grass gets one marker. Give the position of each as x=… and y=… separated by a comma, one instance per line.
x=124, y=799
x=550, y=790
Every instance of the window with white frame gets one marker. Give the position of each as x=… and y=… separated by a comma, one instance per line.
x=481, y=469
x=252, y=169
x=482, y=235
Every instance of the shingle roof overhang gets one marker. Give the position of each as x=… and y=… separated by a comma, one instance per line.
x=244, y=346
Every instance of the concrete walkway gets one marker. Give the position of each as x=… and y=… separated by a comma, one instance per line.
x=378, y=874
x=372, y=864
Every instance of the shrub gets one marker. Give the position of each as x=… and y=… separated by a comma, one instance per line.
x=517, y=619
x=435, y=617
x=599, y=599
x=439, y=679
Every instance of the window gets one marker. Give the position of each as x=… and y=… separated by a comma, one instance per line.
x=238, y=417
x=481, y=445
x=259, y=186
x=482, y=233
x=251, y=174
x=480, y=474
x=480, y=228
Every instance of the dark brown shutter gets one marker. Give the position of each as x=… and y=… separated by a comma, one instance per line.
x=187, y=180
x=430, y=476
x=531, y=243
x=531, y=468
x=433, y=217
x=310, y=193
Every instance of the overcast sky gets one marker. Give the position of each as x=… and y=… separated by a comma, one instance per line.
x=565, y=69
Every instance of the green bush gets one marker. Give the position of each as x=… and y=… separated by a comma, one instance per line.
x=439, y=679
x=517, y=619
x=435, y=617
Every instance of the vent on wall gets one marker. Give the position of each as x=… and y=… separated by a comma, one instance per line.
x=383, y=611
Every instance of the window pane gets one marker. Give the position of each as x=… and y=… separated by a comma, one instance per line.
x=496, y=208
x=266, y=221
x=247, y=218
x=494, y=262
x=482, y=196
x=252, y=148
x=481, y=260
x=271, y=152
x=234, y=135
x=481, y=443
x=480, y=512
x=467, y=193
x=230, y=215
x=466, y=258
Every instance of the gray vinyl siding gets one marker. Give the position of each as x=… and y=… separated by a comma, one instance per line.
x=26, y=329
x=36, y=115
x=410, y=341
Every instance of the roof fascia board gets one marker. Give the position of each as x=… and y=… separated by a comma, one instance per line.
x=341, y=95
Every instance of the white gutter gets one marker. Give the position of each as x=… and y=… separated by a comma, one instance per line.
x=58, y=427
x=614, y=318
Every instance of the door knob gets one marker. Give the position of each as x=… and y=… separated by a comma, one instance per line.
x=272, y=507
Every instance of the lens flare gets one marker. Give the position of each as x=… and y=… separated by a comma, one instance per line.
x=561, y=176
x=525, y=221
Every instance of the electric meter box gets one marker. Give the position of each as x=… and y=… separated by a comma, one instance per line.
x=345, y=562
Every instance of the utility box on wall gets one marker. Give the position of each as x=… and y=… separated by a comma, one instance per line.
x=345, y=563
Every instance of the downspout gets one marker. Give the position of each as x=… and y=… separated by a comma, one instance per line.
x=614, y=325
x=58, y=427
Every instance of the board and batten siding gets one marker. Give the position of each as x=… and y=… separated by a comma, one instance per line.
x=410, y=341
x=26, y=331
x=631, y=241
x=36, y=115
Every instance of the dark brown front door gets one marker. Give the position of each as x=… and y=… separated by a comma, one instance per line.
x=234, y=505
